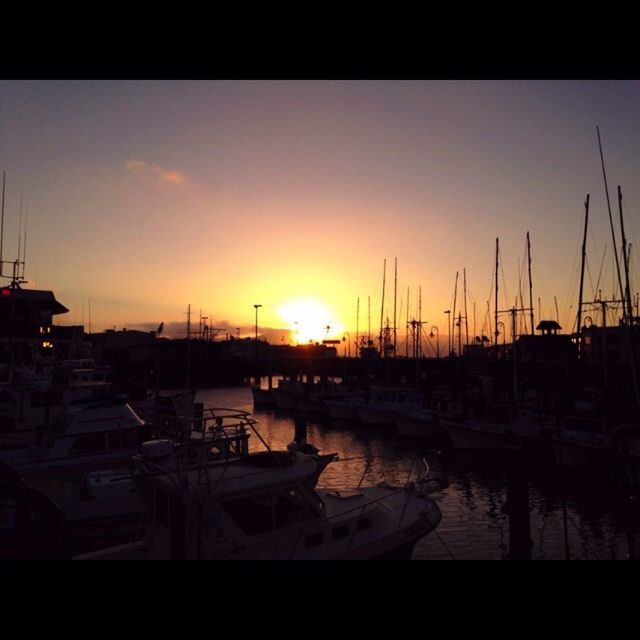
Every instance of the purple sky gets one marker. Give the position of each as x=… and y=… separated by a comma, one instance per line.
x=144, y=197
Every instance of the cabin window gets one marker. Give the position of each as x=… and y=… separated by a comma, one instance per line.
x=291, y=507
x=93, y=443
x=253, y=514
x=274, y=510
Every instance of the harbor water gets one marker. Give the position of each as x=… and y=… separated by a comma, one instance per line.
x=573, y=515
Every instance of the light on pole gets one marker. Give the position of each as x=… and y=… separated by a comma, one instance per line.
x=437, y=340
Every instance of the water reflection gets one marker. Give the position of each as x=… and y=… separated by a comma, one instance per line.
x=474, y=523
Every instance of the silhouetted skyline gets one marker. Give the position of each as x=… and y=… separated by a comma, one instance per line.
x=144, y=197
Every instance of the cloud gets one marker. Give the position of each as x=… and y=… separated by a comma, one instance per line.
x=165, y=176
x=169, y=175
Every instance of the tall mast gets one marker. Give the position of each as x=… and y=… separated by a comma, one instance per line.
x=626, y=260
x=2, y=220
x=357, y=326
x=613, y=235
x=584, y=256
x=395, y=292
x=455, y=296
x=20, y=229
x=420, y=321
x=407, y=325
x=466, y=317
x=627, y=330
x=384, y=278
x=530, y=285
x=188, y=381
x=495, y=324
x=368, y=320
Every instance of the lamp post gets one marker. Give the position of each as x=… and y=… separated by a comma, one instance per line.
x=448, y=312
x=297, y=333
x=437, y=340
x=256, y=307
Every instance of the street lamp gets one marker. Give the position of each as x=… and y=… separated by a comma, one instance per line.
x=437, y=340
x=256, y=307
x=448, y=312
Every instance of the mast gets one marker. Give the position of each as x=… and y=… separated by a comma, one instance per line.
x=495, y=326
x=384, y=277
x=420, y=321
x=369, y=320
x=20, y=229
x=628, y=329
x=188, y=381
x=613, y=235
x=466, y=317
x=455, y=296
x=357, y=326
x=530, y=285
x=395, y=292
x=584, y=256
x=2, y=220
x=626, y=260
x=407, y=325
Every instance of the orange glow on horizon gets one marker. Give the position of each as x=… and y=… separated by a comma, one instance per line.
x=309, y=320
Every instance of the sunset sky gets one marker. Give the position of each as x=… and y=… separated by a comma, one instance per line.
x=143, y=197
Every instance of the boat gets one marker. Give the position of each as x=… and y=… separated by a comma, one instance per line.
x=495, y=427
x=345, y=409
x=383, y=404
x=420, y=423
x=266, y=505
x=263, y=397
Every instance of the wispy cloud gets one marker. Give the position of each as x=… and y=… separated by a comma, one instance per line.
x=164, y=175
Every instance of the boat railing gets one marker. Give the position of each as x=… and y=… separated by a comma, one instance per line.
x=200, y=439
x=353, y=513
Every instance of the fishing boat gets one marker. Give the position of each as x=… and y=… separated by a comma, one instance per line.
x=420, y=423
x=203, y=503
x=498, y=426
x=384, y=403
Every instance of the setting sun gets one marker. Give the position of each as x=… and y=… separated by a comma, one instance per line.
x=309, y=320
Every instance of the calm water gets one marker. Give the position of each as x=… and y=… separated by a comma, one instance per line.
x=474, y=525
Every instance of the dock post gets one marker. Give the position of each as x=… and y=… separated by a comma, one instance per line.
x=518, y=504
